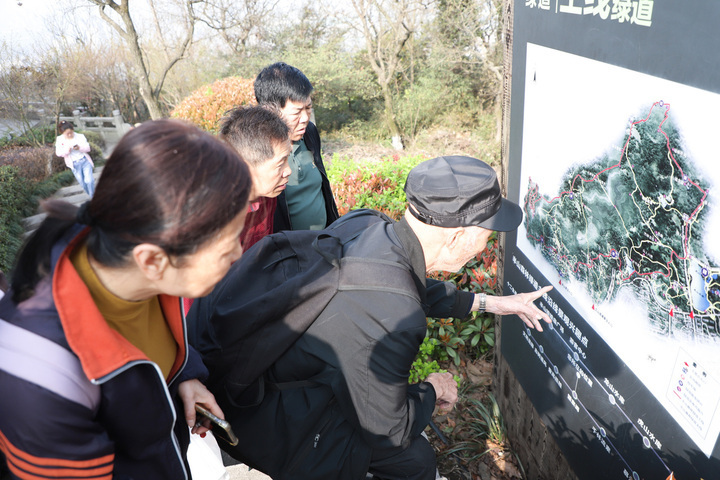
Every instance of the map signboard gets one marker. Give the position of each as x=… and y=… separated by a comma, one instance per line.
x=613, y=157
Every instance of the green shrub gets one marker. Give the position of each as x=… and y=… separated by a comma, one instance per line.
x=40, y=135
x=425, y=363
x=376, y=185
x=418, y=107
x=96, y=141
x=23, y=180
x=96, y=154
x=19, y=198
x=14, y=190
x=473, y=336
x=47, y=188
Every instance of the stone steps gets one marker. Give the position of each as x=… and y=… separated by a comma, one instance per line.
x=73, y=194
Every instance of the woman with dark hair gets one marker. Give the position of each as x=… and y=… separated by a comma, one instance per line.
x=75, y=149
x=96, y=374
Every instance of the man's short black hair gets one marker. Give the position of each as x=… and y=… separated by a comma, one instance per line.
x=280, y=82
x=254, y=131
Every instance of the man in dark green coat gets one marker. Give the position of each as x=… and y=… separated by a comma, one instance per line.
x=307, y=202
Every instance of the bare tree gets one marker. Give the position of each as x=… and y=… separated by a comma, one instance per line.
x=122, y=22
x=386, y=26
x=237, y=21
x=38, y=84
x=470, y=42
x=17, y=91
x=110, y=84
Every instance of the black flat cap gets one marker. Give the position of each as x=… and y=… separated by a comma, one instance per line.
x=459, y=192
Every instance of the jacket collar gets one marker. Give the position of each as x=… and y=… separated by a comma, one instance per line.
x=101, y=349
x=412, y=246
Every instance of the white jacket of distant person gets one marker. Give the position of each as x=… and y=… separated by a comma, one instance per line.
x=64, y=147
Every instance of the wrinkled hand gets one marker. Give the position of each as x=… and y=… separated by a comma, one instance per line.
x=192, y=392
x=522, y=305
x=445, y=390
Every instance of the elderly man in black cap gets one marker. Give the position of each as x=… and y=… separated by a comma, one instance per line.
x=337, y=404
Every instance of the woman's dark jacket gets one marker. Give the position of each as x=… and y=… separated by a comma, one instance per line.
x=80, y=401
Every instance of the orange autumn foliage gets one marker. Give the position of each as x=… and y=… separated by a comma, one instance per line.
x=206, y=106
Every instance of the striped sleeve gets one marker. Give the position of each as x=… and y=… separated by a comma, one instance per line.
x=30, y=467
x=46, y=423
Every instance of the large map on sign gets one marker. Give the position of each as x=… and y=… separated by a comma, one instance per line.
x=633, y=220
x=617, y=188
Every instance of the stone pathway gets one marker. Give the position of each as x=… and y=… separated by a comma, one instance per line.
x=73, y=194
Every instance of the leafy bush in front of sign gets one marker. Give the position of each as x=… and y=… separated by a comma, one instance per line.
x=376, y=185
x=379, y=186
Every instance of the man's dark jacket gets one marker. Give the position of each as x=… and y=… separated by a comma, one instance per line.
x=282, y=215
x=340, y=393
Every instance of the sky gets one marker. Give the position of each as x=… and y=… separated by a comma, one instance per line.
x=23, y=22
x=21, y=25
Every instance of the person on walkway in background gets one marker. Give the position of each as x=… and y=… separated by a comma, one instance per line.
x=75, y=149
x=307, y=203
x=97, y=376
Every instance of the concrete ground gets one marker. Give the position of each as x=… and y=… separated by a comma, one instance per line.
x=238, y=471
x=242, y=472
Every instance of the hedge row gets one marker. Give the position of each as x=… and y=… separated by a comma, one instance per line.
x=24, y=180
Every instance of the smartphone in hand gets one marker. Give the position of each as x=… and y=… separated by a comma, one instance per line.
x=220, y=428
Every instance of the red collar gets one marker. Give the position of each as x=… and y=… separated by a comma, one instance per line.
x=101, y=349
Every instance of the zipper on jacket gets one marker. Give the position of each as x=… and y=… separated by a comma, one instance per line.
x=165, y=389
x=323, y=424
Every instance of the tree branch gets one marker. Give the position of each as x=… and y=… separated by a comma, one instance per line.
x=181, y=52
x=101, y=4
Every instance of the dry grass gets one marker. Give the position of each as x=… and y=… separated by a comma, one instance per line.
x=434, y=143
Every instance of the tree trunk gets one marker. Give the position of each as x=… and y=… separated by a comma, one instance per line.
x=392, y=125
x=146, y=92
x=141, y=72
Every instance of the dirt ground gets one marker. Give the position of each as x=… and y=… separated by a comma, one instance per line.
x=431, y=144
x=462, y=452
